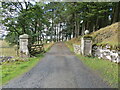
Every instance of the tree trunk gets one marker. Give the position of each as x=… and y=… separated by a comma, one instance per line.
x=116, y=12
x=60, y=32
x=57, y=33
x=75, y=25
x=83, y=28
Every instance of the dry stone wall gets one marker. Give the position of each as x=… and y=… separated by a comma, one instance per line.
x=101, y=52
x=77, y=48
x=106, y=53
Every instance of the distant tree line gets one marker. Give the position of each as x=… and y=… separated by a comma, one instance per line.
x=58, y=20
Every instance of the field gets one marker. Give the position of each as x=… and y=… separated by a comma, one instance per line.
x=6, y=50
x=3, y=43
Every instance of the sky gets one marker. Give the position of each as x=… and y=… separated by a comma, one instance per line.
x=2, y=31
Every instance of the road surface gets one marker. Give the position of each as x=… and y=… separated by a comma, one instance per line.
x=59, y=69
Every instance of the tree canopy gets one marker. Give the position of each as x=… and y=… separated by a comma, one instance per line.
x=56, y=20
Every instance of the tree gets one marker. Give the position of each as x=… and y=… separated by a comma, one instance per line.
x=59, y=20
x=27, y=20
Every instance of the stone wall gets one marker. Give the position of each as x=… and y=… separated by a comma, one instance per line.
x=77, y=48
x=106, y=53
x=101, y=52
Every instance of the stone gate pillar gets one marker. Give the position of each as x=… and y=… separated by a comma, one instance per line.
x=86, y=46
x=23, y=43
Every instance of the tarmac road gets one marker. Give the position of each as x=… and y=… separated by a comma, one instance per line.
x=59, y=69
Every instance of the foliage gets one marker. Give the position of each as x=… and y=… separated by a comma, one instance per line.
x=105, y=36
x=19, y=20
x=57, y=20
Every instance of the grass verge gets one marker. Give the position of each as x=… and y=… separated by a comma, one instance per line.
x=48, y=46
x=14, y=69
x=106, y=69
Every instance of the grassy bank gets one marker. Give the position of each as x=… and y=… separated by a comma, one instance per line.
x=104, y=68
x=11, y=70
x=107, y=35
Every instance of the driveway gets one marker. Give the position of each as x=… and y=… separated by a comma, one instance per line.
x=59, y=69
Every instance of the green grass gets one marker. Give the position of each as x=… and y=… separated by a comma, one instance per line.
x=107, y=70
x=104, y=68
x=70, y=46
x=47, y=46
x=13, y=69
